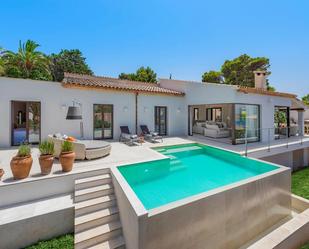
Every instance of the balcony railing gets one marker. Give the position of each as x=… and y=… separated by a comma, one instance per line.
x=287, y=134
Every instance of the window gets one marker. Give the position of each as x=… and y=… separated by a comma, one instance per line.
x=26, y=122
x=214, y=114
x=102, y=121
x=247, y=117
x=161, y=120
x=196, y=114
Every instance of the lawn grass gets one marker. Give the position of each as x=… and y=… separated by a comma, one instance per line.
x=300, y=183
x=62, y=242
x=305, y=247
x=300, y=186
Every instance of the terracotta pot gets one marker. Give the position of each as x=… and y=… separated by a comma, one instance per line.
x=67, y=160
x=21, y=166
x=1, y=173
x=46, y=163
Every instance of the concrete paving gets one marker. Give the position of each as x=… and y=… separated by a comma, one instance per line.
x=120, y=154
x=123, y=154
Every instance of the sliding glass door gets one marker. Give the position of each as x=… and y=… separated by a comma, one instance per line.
x=214, y=114
x=102, y=121
x=26, y=122
x=247, y=117
x=161, y=120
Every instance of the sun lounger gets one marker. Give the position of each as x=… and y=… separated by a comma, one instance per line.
x=127, y=137
x=149, y=135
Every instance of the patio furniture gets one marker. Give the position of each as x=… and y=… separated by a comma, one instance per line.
x=293, y=130
x=216, y=130
x=198, y=127
x=127, y=137
x=149, y=135
x=84, y=149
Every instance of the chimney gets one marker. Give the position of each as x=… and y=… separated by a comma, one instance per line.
x=260, y=79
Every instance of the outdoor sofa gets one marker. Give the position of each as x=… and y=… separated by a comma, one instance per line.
x=211, y=129
x=84, y=149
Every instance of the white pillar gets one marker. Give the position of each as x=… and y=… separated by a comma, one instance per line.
x=190, y=120
x=301, y=122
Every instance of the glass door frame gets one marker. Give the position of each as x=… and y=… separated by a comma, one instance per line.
x=165, y=119
x=112, y=125
x=211, y=111
x=234, y=139
x=27, y=120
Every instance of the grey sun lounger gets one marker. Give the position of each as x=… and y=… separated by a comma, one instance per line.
x=151, y=136
x=127, y=137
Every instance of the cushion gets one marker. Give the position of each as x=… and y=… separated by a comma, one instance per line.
x=94, y=144
x=57, y=135
x=220, y=125
x=212, y=127
x=71, y=139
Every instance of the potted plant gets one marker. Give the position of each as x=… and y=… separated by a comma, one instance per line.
x=46, y=158
x=1, y=173
x=21, y=163
x=67, y=156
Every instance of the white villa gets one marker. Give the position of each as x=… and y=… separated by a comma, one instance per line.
x=171, y=107
x=105, y=212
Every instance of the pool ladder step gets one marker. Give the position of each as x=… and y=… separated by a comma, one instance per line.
x=97, y=223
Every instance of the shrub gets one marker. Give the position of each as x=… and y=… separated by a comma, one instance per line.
x=47, y=148
x=24, y=150
x=66, y=146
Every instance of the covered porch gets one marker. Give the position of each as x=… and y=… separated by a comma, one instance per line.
x=229, y=123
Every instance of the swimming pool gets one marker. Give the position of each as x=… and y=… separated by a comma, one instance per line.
x=189, y=170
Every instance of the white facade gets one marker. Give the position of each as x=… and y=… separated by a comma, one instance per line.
x=210, y=93
x=55, y=99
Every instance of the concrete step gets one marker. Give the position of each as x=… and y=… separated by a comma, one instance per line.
x=95, y=204
x=93, y=192
x=96, y=235
x=92, y=181
x=95, y=219
x=115, y=243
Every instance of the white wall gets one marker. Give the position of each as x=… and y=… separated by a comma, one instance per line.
x=209, y=93
x=55, y=100
x=176, y=112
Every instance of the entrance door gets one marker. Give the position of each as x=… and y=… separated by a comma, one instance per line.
x=26, y=122
x=102, y=121
x=161, y=120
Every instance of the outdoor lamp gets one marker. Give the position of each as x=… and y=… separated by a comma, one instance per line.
x=75, y=113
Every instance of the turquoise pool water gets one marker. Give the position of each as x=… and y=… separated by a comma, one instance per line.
x=190, y=169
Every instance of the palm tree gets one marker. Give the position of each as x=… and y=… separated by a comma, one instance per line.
x=28, y=61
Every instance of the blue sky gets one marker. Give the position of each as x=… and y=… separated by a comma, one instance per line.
x=184, y=38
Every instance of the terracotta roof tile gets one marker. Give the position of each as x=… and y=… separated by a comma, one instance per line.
x=81, y=80
x=244, y=89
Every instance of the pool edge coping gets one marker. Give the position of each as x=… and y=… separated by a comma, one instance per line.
x=140, y=209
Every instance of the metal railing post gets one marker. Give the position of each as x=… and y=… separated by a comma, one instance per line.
x=287, y=135
x=246, y=143
x=269, y=139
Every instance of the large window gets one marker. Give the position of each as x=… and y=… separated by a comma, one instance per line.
x=161, y=120
x=214, y=114
x=26, y=122
x=247, y=117
x=282, y=122
x=102, y=121
x=196, y=114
